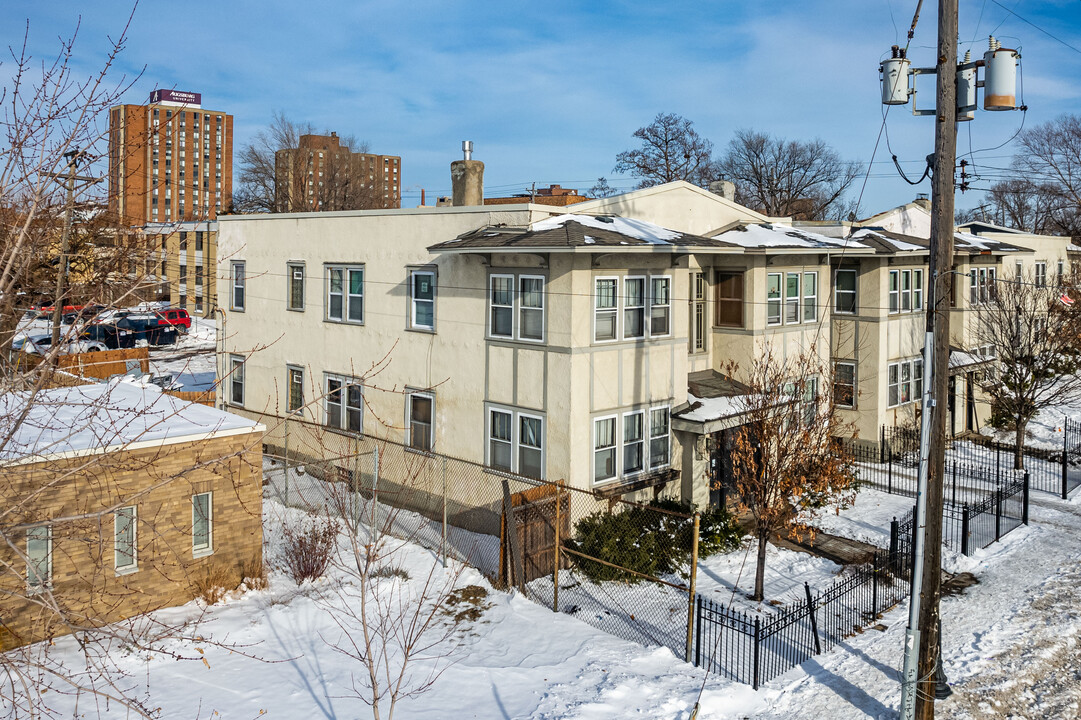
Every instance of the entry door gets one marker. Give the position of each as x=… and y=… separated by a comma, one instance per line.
x=721, y=485
x=970, y=402
x=951, y=395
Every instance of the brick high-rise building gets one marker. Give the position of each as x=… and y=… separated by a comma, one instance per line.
x=169, y=160
x=323, y=174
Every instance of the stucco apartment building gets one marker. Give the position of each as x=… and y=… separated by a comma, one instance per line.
x=555, y=346
x=121, y=500
x=184, y=264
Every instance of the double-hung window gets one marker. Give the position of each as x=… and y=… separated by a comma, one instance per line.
x=420, y=413
x=810, y=296
x=729, y=294
x=634, y=307
x=604, y=448
x=917, y=290
x=634, y=448
x=501, y=302
x=1041, y=274
x=895, y=291
x=698, y=313
x=605, y=321
x=905, y=381
x=202, y=531
x=295, y=272
x=981, y=285
x=345, y=293
x=239, y=280
x=295, y=391
x=516, y=441
x=236, y=380
x=1061, y=272
x=659, y=445
x=631, y=443
x=773, y=299
x=844, y=291
x=344, y=403
x=39, y=558
x=124, y=553
x=660, y=306
x=531, y=307
x=791, y=298
x=422, y=299
x=906, y=290
x=844, y=384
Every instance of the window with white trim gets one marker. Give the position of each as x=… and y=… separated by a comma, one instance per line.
x=345, y=293
x=630, y=443
x=844, y=384
x=605, y=309
x=773, y=298
x=659, y=438
x=420, y=412
x=516, y=307
x=917, y=290
x=844, y=291
x=202, y=531
x=501, y=306
x=634, y=307
x=1061, y=271
x=810, y=296
x=422, y=299
x=791, y=298
x=1041, y=274
x=697, y=336
x=236, y=379
x=344, y=403
x=239, y=281
x=39, y=558
x=125, y=558
x=531, y=307
x=296, y=286
x=660, y=306
x=515, y=441
x=905, y=381
x=981, y=285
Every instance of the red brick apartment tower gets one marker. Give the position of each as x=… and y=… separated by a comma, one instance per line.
x=170, y=160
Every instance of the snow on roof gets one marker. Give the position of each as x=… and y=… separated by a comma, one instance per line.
x=899, y=245
x=718, y=408
x=639, y=229
x=104, y=415
x=766, y=235
x=962, y=359
x=976, y=242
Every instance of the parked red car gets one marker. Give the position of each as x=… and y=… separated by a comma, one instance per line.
x=174, y=316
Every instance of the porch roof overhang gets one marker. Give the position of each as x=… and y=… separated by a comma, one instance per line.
x=962, y=361
x=715, y=402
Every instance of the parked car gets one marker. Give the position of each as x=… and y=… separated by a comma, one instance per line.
x=109, y=334
x=41, y=344
x=149, y=327
x=175, y=316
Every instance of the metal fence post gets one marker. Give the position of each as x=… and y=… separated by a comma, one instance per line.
x=757, y=642
x=874, y=585
x=698, y=631
x=444, y=511
x=814, y=620
x=375, y=490
x=889, y=471
x=965, y=549
x=559, y=525
x=882, y=445
x=287, y=461
x=1065, y=476
x=954, y=464
x=693, y=592
x=998, y=514
x=894, y=531
x=1024, y=500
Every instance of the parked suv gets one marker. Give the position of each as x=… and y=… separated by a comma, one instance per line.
x=174, y=316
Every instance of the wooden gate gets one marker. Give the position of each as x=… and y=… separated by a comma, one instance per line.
x=534, y=512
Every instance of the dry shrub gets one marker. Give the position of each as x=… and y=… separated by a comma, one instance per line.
x=213, y=583
x=254, y=573
x=308, y=548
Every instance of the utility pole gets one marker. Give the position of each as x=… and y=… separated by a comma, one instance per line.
x=918, y=692
x=65, y=241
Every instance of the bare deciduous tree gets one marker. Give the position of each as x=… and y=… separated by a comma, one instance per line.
x=671, y=149
x=602, y=189
x=786, y=462
x=1050, y=161
x=1033, y=334
x=272, y=179
x=804, y=180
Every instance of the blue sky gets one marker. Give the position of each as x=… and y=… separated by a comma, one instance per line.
x=550, y=92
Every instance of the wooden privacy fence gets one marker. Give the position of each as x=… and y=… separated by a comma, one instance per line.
x=203, y=397
x=537, y=513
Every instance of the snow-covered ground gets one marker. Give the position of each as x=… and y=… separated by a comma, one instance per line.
x=192, y=361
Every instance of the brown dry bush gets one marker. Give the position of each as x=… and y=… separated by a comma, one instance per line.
x=308, y=548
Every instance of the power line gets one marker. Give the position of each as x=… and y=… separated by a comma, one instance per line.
x=1057, y=39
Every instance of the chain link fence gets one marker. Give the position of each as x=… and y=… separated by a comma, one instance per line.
x=624, y=567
